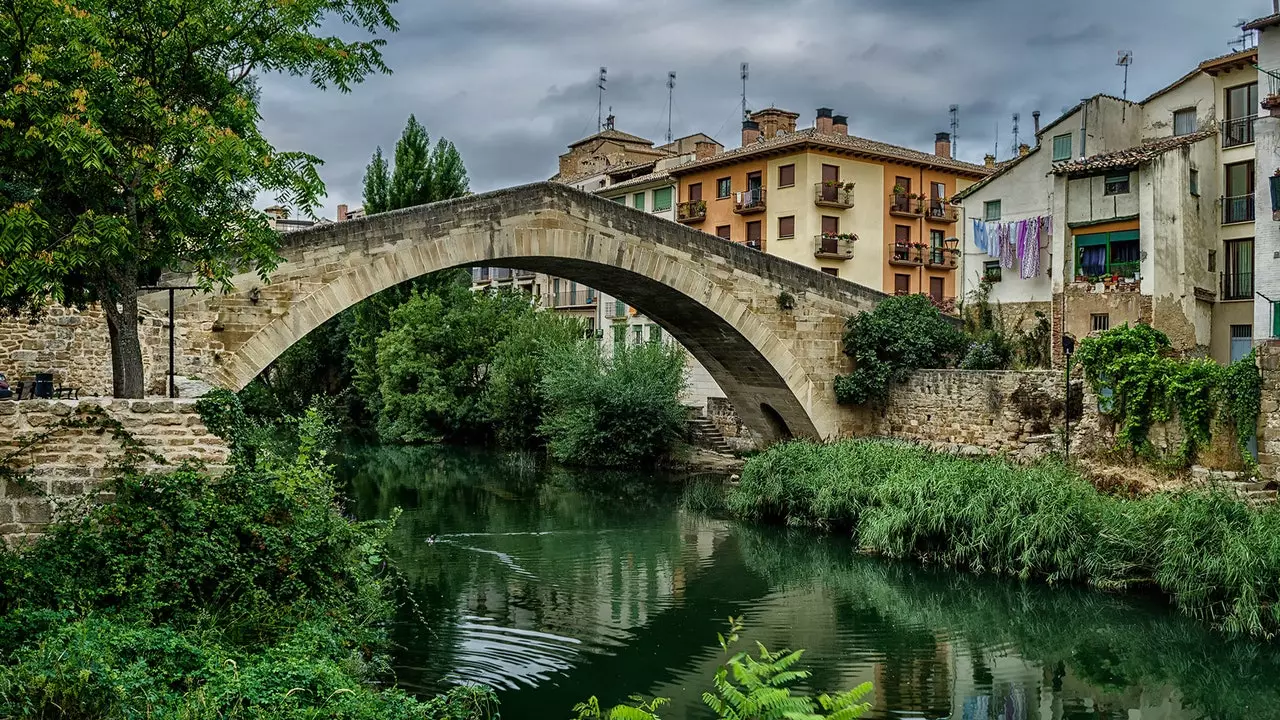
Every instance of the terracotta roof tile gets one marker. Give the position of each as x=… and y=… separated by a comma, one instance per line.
x=1263, y=22
x=1130, y=157
x=642, y=180
x=851, y=143
x=612, y=135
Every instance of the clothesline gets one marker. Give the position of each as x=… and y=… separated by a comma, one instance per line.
x=1015, y=241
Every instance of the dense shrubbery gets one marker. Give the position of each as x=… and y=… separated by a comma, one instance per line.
x=1217, y=557
x=900, y=335
x=246, y=597
x=1148, y=384
x=612, y=411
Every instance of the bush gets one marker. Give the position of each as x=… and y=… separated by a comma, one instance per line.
x=513, y=403
x=1217, y=557
x=900, y=335
x=617, y=411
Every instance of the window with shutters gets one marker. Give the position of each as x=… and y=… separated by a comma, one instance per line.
x=619, y=334
x=1117, y=184
x=991, y=210
x=1184, y=121
x=901, y=284
x=722, y=232
x=830, y=225
x=902, y=234
x=786, y=175
x=724, y=188
x=787, y=226
x=753, y=234
x=1062, y=147
x=638, y=201
x=695, y=192
x=655, y=333
x=662, y=199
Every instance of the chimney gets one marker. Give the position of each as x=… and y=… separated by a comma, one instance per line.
x=342, y=213
x=703, y=149
x=750, y=132
x=1023, y=150
x=824, y=122
x=1035, y=116
x=942, y=144
x=989, y=160
x=840, y=123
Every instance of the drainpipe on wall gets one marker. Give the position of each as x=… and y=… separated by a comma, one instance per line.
x=1084, y=123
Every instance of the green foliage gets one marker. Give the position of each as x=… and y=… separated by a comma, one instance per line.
x=1149, y=386
x=615, y=411
x=433, y=362
x=900, y=335
x=512, y=400
x=250, y=596
x=1217, y=557
x=125, y=152
x=419, y=175
x=993, y=345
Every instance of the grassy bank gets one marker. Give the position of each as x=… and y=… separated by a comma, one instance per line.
x=1216, y=557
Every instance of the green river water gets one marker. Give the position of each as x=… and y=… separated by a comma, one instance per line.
x=552, y=585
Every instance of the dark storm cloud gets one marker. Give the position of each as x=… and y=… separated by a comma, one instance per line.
x=512, y=83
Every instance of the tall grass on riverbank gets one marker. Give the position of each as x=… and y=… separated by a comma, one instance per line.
x=1217, y=558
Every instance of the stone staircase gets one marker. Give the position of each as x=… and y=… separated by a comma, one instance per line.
x=1249, y=488
x=704, y=434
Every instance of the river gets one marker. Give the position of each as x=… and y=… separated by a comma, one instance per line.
x=553, y=585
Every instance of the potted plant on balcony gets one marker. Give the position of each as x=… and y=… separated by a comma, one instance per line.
x=898, y=190
x=1272, y=103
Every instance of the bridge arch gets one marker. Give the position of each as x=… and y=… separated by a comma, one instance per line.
x=719, y=300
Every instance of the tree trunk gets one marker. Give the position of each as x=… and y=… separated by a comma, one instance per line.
x=127, y=378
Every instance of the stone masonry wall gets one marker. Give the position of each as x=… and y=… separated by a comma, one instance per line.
x=1268, y=355
x=72, y=462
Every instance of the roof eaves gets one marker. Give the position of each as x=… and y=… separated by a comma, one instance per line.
x=1263, y=22
x=1133, y=156
x=1011, y=164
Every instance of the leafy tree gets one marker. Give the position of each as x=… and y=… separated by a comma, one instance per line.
x=419, y=176
x=512, y=399
x=900, y=335
x=129, y=144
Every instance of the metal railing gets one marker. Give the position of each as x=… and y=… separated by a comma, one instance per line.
x=573, y=298
x=906, y=254
x=748, y=201
x=1237, y=131
x=691, y=211
x=1236, y=209
x=941, y=257
x=1237, y=286
x=617, y=309
x=905, y=204
x=832, y=247
x=834, y=194
x=942, y=212
x=753, y=244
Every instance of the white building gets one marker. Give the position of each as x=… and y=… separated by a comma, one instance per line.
x=1266, y=227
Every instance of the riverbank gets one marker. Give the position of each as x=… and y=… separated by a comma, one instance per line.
x=1216, y=557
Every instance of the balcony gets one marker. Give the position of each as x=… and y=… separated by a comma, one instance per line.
x=906, y=205
x=573, y=298
x=1237, y=286
x=906, y=254
x=693, y=211
x=750, y=201
x=943, y=258
x=941, y=212
x=1237, y=131
x=1237, y=209
x=617, y=309
x=834, y=247
x=833, y=194
x=754, y=245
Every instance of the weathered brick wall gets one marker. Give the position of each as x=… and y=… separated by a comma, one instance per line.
x=1268, y=356
x=75, y=346
x=72, y=462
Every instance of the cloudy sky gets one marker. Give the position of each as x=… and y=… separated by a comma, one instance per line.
x=512, y=82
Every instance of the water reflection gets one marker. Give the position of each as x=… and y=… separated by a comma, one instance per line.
x=552, y=586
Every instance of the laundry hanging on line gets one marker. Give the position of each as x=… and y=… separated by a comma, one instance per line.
x=1014, y=243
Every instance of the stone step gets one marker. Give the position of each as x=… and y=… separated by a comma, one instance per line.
x=706, y=434
x=1261, y=497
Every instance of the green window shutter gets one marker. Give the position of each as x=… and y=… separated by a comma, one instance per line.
x=1124, y=235
x=619, y=334
x=655, y=333
x=1275, y=319
x=991, y=210
x=1099, y=239
x=662, y=199
x=1062, y=147
x=621, y=199
x=638, y=201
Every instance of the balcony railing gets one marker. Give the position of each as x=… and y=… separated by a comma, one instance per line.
x=944, y=258
x=617, y=309
x=942, y=212
x=574, y=298
x=833, y=247
x=833, y=194
x=754, y=245
x=1237, y=286
x=906, y=205
x=749, y=201
x=1237, y=131
x=906, y=254
x=1237, y=209
x=691, y=211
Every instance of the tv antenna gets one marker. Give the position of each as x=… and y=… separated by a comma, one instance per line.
x=955, y=128
x=1124, y=58
x=1245, y=41
x=671, y=88
x=1015, y=134
x=604, y=72
x=745, y=72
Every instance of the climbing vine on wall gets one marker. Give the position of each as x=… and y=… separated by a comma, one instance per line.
x=1142, y=383
x=133, y=452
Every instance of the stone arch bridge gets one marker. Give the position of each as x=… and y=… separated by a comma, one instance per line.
x=720, y=300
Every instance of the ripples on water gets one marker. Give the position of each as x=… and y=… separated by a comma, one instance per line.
x=552, y=586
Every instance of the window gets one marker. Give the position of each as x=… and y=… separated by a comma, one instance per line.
x=637, y=201
x=1116, y=184
x=901, y=234
x=901, y=284
x=655, y=333
x=830, y=225
x=619, y=334
x=902, y=182
x=637, y=334
x=1237, y=281
x=695, y=192
x=1242, y=101
x=1237, y=205
x=724, y=188
x=755, y=180
x=622, y=199
x=1241, y=341
x=834, y=272
x=1099, y=322
x=1184, y=121
x=1193, y=182
x=722, y=232
x=991, y=210
x=662, y=199
x=1062, y=147
x=753, y=234
x=787, y=226
x=786, y=175
x=1213, y=261
x=935, y=289
x=991, y=271
x=936, y=255
x=1117, y=254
